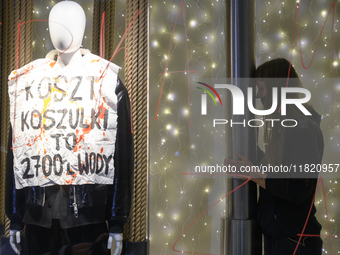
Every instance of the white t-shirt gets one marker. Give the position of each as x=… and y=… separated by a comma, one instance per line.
x=64, y=121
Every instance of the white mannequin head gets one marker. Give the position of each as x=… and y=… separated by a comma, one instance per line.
x=67, y=26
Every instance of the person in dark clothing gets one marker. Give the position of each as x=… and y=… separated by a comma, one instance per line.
x=285, y=205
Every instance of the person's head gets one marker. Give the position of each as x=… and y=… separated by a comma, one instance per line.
x=274, y=73
x=67, y=26
x=269, y=75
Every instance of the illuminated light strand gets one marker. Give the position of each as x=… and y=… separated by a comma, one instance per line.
x=297, y=13
x=187, y=58
x=244, y=176
x=316, y=47
x=177, y=72
x=173, y=247
x=310, y=23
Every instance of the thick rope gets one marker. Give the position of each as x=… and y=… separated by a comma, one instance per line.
x=96, y=27
x=4, y=46
x=7, y=39
x=7, y=224
x=98, y=8
x=142, y=118
x=130, y=79
x=13, y=12
x=136, y=80
x=128, y=18
x=111, y=28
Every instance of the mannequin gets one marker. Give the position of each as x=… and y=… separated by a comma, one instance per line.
x=66, y=26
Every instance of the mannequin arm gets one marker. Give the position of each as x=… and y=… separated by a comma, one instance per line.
x=119, y=242
x=120, y=199
x=14, y=240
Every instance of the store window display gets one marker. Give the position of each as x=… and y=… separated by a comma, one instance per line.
x=70, y=169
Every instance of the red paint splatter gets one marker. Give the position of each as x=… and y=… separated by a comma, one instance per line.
x=102, y=37
x=101, y=150
x=86, y=130
x=102, y=112
x=69, y=181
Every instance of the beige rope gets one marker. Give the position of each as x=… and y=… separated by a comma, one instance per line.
x=6, y=60
x=96, y=27
x=142, y=116
x=98, y=8
x=7, y=224
x=4, y=67
x=14, y=11
x=136, y=79
x=130, y=79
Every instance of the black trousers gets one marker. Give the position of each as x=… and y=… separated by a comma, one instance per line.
x=40, y=240
x=286, y=246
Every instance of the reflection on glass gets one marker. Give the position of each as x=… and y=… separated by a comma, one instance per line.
x=187, y=43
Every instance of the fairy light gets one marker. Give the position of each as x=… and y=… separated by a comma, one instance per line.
x=171, y=97
x=193, y=23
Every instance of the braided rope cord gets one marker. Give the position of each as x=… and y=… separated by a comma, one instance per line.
x=13, y=11
x=109, y=28
x=98, y=8
x=141, y=158
x=3, y=56
x=7, y=61
x=136, y=78
x=129, y=226
x=96, y=27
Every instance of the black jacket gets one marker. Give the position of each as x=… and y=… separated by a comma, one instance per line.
x=285, y=203
x=95, y=202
